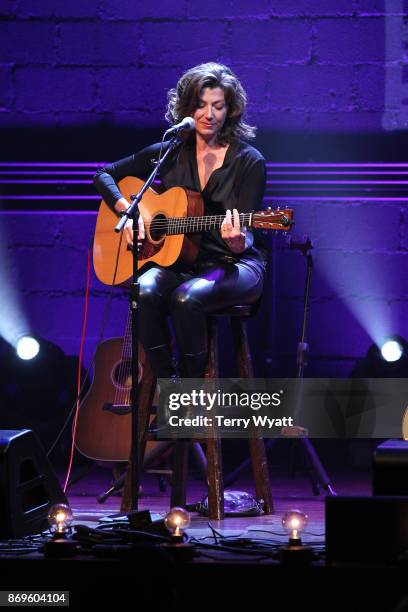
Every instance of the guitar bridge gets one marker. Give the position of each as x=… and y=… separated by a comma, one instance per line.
x=118, y=409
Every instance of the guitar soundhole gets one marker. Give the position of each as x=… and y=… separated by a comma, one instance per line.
x=158, y=227
x=122, y=374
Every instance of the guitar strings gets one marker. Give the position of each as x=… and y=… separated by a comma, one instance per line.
x=128, y=362
x=176, y=225
x=118, y=374
x=120, y=391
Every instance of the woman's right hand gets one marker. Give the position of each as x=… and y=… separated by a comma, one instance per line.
x=128, y=231
x=122, y=205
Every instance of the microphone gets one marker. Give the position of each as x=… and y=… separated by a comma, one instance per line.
x=188, y=123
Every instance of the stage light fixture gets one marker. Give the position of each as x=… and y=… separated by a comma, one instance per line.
x=27, y=347
x=391, y=350
x=294, y=522
x=388, y=358
x=177, y=521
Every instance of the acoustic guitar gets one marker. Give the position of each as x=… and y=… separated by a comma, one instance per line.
x=104, y=418
x=173, y=222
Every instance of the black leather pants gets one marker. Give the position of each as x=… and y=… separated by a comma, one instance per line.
x=188, y=295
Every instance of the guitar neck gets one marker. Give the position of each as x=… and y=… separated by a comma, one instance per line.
x=187, y=225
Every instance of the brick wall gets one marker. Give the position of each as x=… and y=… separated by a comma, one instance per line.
x=315, y=65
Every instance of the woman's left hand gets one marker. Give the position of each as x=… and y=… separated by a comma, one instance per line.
x=232, y=233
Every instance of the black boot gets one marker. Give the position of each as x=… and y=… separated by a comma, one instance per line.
x=160, y=360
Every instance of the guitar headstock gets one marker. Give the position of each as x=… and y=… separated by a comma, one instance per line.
x=269, y=219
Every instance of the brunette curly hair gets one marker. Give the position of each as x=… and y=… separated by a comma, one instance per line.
x=184, y=99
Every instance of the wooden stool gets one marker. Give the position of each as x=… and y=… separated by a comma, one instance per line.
x=237, y=317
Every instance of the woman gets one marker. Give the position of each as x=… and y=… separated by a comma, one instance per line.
x=230, y=176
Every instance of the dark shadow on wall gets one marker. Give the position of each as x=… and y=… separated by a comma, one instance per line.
x=104, y=142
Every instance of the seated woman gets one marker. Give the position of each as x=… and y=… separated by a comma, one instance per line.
x=215, y=161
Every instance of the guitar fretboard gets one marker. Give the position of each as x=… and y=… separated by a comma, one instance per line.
x=186, y=225
x=127, y=340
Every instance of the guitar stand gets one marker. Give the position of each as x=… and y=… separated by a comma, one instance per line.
x=319, y=478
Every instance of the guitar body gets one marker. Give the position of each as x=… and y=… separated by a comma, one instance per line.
x=160, y=248
x=102, y=434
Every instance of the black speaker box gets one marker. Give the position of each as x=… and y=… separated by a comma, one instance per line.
x=366, y=529
x=390, y=468
x=28, y=485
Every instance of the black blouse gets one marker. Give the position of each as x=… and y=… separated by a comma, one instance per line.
x=238, y=183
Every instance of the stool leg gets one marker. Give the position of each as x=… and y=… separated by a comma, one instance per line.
x=214, y=480
x=179, y=476
x=212, y=368
x=261, y=473
x=241, y=347
x=214, y=452
x=256, y=443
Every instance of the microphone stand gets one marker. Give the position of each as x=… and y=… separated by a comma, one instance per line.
x=132, y=212
x=319, y=474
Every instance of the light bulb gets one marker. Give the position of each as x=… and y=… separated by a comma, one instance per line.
x=391, y=350
x=60, y=518
x=294, y=522
x=177, y=521
x=27, y=347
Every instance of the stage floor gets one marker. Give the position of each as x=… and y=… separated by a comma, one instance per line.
x=288, y=492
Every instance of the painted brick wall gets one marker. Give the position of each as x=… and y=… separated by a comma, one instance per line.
x=307, y=65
